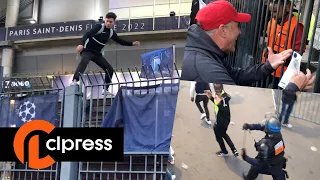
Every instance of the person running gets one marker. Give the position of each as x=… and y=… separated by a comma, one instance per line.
x=201, y=96
x=92, y=44
x=221, y=103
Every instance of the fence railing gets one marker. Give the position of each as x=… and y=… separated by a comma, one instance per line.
x=85, y=105
x=28, y=86
x=256, y=36
x=306, y=108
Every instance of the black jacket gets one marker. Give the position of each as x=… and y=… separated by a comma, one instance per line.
x=270, y=148
x=201, y=87
x=194, y=11
x=94, y=42
x=204, y=62
x=289, y=95
x=223, y=115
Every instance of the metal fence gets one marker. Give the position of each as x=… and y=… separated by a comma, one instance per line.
x=40, y=85
x=306, y=108
x=256, y=35
x=85, y=105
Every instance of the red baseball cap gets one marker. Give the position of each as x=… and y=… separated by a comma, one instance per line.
x=219, y=12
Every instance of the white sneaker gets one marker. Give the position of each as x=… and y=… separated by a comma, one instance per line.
x=287, y=125
x=203, y=116
x=173, y=177
x=107, y=93
x=172, y=161
x=220, y=153
x=21, y=95
x=75, y=82
x=208, y=121
x=171, y=151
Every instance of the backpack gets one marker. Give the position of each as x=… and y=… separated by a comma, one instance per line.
x=102, y=29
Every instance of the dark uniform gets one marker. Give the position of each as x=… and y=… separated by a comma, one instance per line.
x=270, y=159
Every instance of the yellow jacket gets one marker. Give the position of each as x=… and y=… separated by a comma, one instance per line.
x=313, y=19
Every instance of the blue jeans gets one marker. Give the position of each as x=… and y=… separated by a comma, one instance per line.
x=169, y=175
x=286, y=111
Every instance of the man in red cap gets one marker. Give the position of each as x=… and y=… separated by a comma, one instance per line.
x=212, y=38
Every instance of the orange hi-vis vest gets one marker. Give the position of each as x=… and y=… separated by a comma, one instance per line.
x=280, y=38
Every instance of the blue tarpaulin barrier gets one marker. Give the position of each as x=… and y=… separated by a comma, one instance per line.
x=147, y=115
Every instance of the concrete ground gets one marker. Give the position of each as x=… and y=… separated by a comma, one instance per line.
x=195, y=145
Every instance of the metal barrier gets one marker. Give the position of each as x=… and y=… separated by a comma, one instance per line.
x=93, y=108
x=13, y=88
x=306, y=108
x=86, y=107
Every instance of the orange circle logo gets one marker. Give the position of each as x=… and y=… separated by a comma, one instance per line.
x=33, y=145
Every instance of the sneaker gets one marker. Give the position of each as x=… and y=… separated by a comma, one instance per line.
x=208, y=121
x=21, y=95
x=173, y=177
x=235, y=153
x=287, y=125
x=220, y=153
x=171, y=161
x=107, y=93
x=171, y=151
x=75, y=82
x=203, y=116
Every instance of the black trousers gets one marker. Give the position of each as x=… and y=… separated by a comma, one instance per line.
x=261, y=168
x=88, y=56
x=205, y=101
x=221, y=134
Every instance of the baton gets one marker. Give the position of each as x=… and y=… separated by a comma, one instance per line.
x=78, y=57
x=244, y=139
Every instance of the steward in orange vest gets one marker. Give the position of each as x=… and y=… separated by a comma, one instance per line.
x=280, y=39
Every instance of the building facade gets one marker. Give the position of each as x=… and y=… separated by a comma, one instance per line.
x=43, y=38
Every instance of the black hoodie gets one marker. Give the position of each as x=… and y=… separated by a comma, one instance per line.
x=204, y=62
x=289, y=95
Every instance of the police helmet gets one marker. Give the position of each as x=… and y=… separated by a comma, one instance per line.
x=273, y=125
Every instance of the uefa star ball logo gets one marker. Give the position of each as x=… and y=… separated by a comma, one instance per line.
x=27, y=111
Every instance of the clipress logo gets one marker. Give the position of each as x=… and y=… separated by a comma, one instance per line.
x=33, y=144
x=64, y=145
x=41, y=144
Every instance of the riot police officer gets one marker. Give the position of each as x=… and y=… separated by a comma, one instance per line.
x=270, y=159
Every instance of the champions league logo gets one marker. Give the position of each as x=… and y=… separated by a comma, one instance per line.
x=27, y=111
